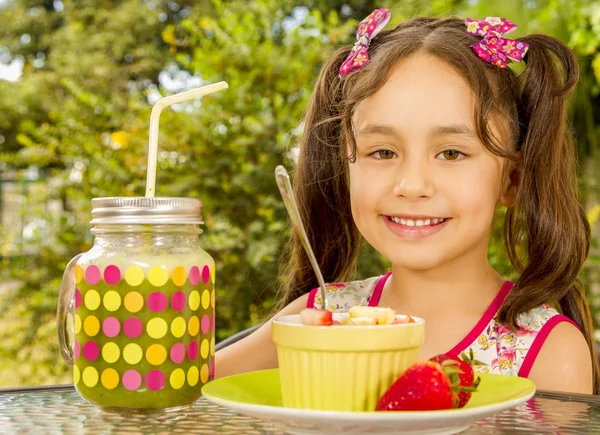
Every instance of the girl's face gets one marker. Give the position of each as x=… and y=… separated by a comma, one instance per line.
x=423, y=187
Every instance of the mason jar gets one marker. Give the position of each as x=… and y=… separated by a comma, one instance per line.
x=142, y=300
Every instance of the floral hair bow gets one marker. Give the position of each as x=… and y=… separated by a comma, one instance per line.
x=367, y=29
x=493, y=48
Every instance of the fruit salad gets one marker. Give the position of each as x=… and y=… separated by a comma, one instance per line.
x=357, y=315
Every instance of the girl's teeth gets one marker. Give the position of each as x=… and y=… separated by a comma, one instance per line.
x=418, y=222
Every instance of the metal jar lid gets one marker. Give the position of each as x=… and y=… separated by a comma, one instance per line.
x=142, y=210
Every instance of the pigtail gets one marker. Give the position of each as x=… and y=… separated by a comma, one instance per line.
x=321, y=189
x=546, y=232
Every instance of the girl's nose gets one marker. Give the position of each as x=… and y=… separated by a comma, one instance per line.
x=414, y=181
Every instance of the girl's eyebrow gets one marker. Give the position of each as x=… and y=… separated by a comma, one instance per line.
x=375, y=129
x=456, y=129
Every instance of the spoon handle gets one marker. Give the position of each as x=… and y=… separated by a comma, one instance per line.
x=285, y=188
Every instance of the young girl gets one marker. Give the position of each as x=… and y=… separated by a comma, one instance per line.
x=413, y=137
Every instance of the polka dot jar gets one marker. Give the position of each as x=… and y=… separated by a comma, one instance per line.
x=143, y=306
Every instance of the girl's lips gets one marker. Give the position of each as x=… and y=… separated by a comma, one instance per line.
x=411, y=233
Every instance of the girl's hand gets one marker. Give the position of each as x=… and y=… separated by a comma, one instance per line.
x=255, y=352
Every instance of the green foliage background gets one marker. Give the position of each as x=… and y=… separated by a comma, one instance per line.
x=80, y=113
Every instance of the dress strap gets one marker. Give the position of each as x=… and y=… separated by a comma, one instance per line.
x=539, y=341
x=484, y=321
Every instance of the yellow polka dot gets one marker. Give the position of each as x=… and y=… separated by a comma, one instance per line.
x=76, y=374
x=78, y=273
x=91, y=325
x=192, y=376
x=179, y=276
x=112, y=300
x=156, y=354
x=177, y=379
x=157, y=327
x=204, y=374
x=132, y=353
x=133, y=301
x=158, y=276
x=92, y=299
x=212, y=273
x=134, y=275
x=204, y=348
x=194, y=300
x=77, y=321
x=212, y=298
x=205, y=299
x=193, y=325
x=90, y=376
x=110, y=379
x=212, y=346
x=178, y=327
x=111, y=352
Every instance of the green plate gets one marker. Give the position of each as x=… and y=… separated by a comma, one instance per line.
x=258, y=394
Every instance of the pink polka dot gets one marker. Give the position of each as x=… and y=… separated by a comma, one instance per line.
x=212, y=322
x=178, y=301
x=133, y=327
x=77, y=298
x=157, y=301
x=194, y=276
x=92, y=274
x=76, y=350
x=155, y=380
x=212, y=371
x=177, y=353
x=205, y=324
x=112, y=274
x=205, y=274
x=132, y=380
x=90, y=351
x=192, y=350
x=111, y=327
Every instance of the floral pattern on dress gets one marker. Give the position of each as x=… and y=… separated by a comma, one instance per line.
x=502, y=351
x=343, y=296
x=497, y=350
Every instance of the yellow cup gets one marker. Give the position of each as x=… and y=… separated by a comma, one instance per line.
x=342, y=368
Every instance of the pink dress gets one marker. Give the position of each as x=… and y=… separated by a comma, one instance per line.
x=500, y=350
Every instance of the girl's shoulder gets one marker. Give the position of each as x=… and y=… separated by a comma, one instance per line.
x=343, y=296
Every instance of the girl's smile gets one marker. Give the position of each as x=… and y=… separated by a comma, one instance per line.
x=415, y=227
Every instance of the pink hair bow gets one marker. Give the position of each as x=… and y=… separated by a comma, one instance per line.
x=367, y=29
x=493, y=48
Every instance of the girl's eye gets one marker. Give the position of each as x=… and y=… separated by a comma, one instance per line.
x=384, y=154
x=451, y=155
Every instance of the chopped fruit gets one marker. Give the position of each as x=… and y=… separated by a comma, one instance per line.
x=316, y=317
x=423, y=387
x=361, y=321
x=403, y=320
x=382, y=316
x=466, y=376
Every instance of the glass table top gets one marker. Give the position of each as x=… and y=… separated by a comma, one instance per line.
x=60, y=410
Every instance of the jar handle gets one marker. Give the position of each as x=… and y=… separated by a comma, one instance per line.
x=65, y=305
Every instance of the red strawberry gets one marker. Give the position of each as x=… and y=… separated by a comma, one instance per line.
x=423, y=386
x=466, y=376
x=316, y=317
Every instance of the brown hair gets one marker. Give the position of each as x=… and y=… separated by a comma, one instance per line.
x=546, y=231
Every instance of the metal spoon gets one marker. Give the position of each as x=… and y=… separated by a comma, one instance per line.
x=285, y=187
